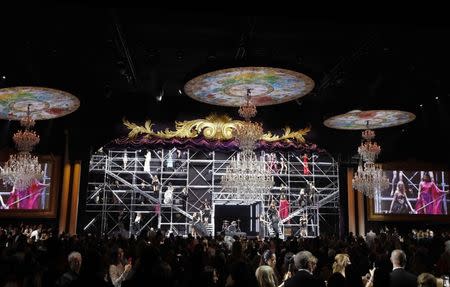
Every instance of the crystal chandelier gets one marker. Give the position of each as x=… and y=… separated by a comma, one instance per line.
x=369, y=150
x=369, y=179
x=23, y=168
x=248, y=177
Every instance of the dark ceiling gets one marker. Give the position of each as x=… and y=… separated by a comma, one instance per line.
x=118, y=61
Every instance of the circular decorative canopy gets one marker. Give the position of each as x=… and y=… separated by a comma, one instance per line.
x=44, y=103
x=376, y=119
x=268, y=86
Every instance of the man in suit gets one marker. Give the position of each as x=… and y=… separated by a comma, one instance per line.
x=305, y=263
x=399, y=276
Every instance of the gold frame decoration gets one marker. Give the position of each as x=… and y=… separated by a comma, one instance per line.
x=213, y=127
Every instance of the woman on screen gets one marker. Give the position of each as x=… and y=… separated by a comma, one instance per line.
x=429, y=199
x=400, y=203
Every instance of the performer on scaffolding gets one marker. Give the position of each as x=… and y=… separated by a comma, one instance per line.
x=155, y=184
x=206, y=212
x=148, y=158
x=274, y=218
x=284, y=206
x=305, y=165
x=283, y=166
x=184, y=198
x=168, y=195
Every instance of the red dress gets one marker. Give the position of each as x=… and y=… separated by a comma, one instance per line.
x=284, y=208
x=305, y=165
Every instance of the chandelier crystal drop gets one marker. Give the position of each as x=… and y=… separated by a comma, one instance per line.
x=25, y=140
x=248, y=110
x=248, y=177
x=370, y=179
x=369, y=151
x=21, y=170
x=247, y=134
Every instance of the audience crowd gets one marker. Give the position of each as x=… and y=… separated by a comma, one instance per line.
x=38, y=256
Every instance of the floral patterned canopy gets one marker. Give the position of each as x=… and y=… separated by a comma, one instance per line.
x=44, y=103
x=374, y=119
x=269, y=86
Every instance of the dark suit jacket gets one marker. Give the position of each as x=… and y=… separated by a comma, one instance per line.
x=402, y=278
x=304, y=279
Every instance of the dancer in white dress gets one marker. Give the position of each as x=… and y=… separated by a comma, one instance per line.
x=148, y=157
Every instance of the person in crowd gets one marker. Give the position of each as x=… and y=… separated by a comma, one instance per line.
x=70, y=277
x=426, y=280
x=306, y=263
x=266, y=277
x=399, y=276
x=119, y=268
x=337, y=279
x=269, y=258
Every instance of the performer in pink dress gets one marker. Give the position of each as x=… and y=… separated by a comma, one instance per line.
x=27, y=198
x=429, y=199
x=284, y=207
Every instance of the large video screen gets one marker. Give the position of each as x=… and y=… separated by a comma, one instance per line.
x=34, y=197
x=414, y=192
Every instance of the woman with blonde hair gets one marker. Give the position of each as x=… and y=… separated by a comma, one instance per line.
x=337, y=279
x=426, y=280
x=266, y=276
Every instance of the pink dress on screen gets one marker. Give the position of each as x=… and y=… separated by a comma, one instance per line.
x=430, y=199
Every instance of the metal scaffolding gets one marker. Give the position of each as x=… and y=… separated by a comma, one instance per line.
x=121, y=197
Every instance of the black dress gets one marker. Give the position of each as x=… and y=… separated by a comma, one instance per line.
x=400, y=204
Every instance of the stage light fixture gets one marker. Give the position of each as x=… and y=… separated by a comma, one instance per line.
x=421, y=105
x=180, y=92
x=437, y=98
x=3, y=77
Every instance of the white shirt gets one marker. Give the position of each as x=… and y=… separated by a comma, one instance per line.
x=397, y=268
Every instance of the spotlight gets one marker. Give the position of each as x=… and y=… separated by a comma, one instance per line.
x=180, y=92
x=437, y=98
x=421, y=105
x=3, y=77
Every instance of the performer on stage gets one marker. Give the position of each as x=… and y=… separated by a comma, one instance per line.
x=197, y=226
x=429, y=199
x=272, y=213
x=284, y=207
x=400, y=203
x=195, y=220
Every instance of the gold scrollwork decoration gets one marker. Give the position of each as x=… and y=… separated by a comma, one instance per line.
x=213, y=127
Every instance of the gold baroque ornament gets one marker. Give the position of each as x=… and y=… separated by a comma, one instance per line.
x=213, y=127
